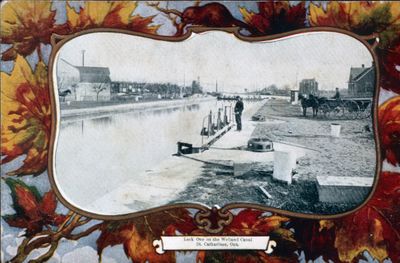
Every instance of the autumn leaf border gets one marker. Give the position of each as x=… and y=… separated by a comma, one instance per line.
x=37, y=213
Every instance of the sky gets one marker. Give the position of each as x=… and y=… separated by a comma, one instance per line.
x=221, y=57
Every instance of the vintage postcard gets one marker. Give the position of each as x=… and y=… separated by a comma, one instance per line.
x=191, y=131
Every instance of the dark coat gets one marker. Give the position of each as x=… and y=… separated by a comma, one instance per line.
x=239, y=106
x=337, y=95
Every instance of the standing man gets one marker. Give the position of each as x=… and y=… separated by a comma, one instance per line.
x=337, y=94
x=238, y=113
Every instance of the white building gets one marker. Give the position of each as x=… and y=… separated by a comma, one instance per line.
x=84, y=83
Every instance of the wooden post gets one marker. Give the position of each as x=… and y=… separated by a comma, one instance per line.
x=225, y=116
x=219, y=120
x=209, y=128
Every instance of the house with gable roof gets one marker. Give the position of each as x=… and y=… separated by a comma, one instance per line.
x=361, y=81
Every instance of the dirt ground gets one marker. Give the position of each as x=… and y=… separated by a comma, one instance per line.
x=352, y=154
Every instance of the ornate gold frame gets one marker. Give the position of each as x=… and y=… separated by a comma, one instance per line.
x=224, y=215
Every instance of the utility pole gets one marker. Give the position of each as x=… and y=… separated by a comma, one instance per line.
x=83, y=57
x=184, y=79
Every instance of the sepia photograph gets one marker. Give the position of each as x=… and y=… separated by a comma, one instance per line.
x=214, y=120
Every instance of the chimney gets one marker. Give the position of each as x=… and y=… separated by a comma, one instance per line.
x=362, y=65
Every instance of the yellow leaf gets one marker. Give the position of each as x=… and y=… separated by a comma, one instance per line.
x=26, y=116
x=25, y=25
x=73, y=17
x=127, y=8
x=325, y=224
x=395, y=11
x=246, y=14
x=97, y=10
x=16, y=13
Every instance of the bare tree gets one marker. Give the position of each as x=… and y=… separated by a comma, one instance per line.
x=99, y=88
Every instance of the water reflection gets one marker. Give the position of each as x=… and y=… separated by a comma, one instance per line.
x=101, y=153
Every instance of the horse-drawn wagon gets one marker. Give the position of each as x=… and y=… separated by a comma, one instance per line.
x=345, y=108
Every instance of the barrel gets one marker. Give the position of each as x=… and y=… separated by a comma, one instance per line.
x=335, y=130
x=284, y=163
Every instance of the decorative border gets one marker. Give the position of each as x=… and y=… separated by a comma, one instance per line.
x=58, y=41
x=370, y=232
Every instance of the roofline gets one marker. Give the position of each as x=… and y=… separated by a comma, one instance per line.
x=69, y=63
x=91, y=67
x=363, y=74
x=80, y=67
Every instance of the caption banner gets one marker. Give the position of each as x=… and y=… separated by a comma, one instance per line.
x=214, y=243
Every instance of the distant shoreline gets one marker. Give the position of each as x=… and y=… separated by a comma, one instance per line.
x=71, y=115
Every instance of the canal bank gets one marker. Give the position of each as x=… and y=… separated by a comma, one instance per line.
x=350, y=156
x=101, y=153
x=71, y=115
x=209, y=177
x=164, y=181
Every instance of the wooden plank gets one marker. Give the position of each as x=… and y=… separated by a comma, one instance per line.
x=268, y=195
x=345, y=181
x=339, y=189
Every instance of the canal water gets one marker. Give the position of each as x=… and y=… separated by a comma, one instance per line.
x=94, y=156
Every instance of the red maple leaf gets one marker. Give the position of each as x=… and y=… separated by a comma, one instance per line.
x=315, y=239
x=251, y=222
x=275, y=17
x=385, y=201
x=137, y=235
x=373, y=228
x=33, y=211
x=390, y=67
x=389, y=129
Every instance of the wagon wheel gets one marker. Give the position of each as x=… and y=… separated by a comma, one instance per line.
x=367, y=111
x=350, y=110
x=325, y=110
x=338, y=111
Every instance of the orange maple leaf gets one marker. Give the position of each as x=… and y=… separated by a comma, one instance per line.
x=103, y=14
x=361, y=17
x=25, y=25
x=361, y=231
x=26, y=117
x=137, y=235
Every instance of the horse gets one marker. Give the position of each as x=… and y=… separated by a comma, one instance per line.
x=311, y=102
x=63, y=94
